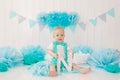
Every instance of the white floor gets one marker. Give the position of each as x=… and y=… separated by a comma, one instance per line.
x=21, y=73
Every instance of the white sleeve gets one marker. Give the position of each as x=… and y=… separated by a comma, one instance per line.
x=50, y=47
x=68, y=48
x=48, y=56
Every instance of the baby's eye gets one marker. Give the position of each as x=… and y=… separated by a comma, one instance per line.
x=57, y=35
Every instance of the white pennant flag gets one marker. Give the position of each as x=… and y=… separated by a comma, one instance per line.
x=41, y=27
x=21, y=19
x=82, y=25
x=103, y=17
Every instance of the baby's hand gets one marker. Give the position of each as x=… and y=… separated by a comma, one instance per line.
x=70, y=51
x=56, y=55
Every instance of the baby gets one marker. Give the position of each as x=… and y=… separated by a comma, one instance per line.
x=58, y=35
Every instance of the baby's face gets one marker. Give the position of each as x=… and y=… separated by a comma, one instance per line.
x=59, y=35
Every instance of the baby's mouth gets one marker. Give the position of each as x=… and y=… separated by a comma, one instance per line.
x=60, y=39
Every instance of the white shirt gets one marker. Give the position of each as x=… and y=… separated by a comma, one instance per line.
x=50, y=47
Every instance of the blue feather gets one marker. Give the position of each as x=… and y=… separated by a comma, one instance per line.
x=54, y=19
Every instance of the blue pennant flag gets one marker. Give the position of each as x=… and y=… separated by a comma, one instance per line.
x=93, y=21
x=32, y=23
x=111, y=12
x=51, y=29
x=72, y=28
x=82, y=25
x=12, y=14
x=103, y=17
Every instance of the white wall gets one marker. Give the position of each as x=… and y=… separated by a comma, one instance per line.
x=18, y=35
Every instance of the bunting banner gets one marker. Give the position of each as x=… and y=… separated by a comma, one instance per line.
x=19, y=17
x=102, y=16
x=71, y=18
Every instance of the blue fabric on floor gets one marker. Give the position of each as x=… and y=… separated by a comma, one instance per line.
x=83, y=49
x=102, y=57
x=42, y=69
x=39, y=69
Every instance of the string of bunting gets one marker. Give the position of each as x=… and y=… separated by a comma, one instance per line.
x=64, y=19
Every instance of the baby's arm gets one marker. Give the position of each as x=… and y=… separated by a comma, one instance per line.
x=70, y=52
x=52, y=53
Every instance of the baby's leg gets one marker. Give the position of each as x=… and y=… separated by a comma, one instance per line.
x=83, y=71
x=52, y=71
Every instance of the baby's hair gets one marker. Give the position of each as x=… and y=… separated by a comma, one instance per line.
x=58, y=28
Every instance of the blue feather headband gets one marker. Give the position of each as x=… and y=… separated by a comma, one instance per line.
x=54, y=19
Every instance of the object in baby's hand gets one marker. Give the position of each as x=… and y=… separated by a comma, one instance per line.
x=60, y=51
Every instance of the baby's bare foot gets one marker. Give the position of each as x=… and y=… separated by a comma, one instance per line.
x=86, y=70
x=52, y=73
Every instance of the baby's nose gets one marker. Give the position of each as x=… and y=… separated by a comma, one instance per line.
x=59, y=36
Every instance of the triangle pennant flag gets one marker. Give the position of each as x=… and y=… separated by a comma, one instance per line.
x=103, y=17
x=93, y=21
x=12, y=14
x=21, y=19
x=32, y=23
x=111, y=12
x=51, y=29
x=82, y=25
x=72, y=28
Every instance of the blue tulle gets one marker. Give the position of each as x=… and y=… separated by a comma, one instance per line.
x=83, y=49
x=103, y=57
x=2, y=59
x=54, y=19
x=3, y=64
x=39, y=69
x=32, y=54
x=42, y=69
x=10, y=56
x=3, y=67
